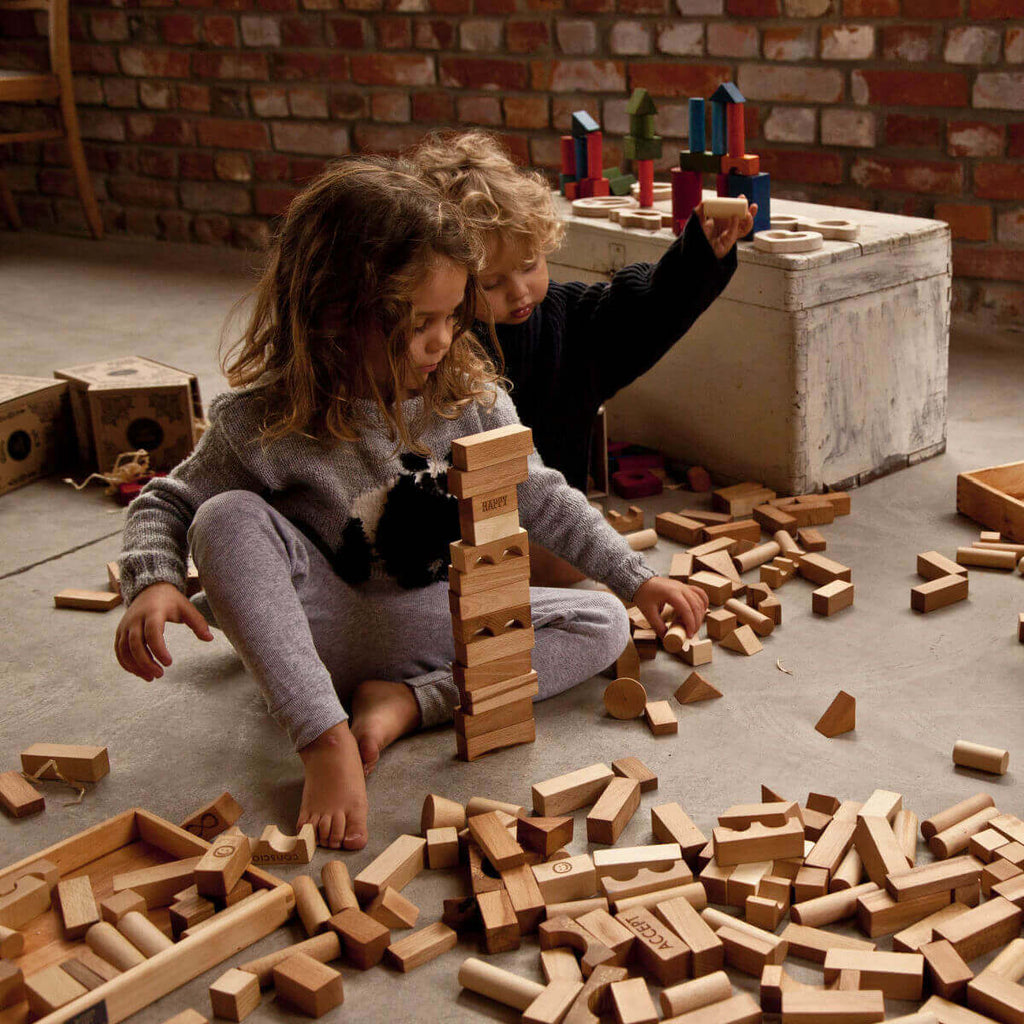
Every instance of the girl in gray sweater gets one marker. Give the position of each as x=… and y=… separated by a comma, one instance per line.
x=316, y=506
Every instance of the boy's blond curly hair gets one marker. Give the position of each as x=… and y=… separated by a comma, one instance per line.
x=475, y=172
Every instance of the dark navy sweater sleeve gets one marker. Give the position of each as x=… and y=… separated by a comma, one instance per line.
x=586, y=342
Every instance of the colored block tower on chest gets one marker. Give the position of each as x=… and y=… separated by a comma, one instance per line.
x=489, y=593
x=642, y=144
x=581, y=173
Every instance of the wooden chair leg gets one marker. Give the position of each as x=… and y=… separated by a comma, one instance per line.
x=7, y=203
x=78, y=163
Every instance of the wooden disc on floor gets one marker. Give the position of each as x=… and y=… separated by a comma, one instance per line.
x=625, y=698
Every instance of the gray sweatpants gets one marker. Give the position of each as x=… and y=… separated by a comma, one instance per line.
x=310, y=639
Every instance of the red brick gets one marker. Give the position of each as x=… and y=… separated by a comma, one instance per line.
x=731, y=39
x=482, y=73
x=527, y=36
x=495, y=7
x=196, y=166
x=967, y=222
x=657, y=7
x=578, y=76
x=299, y=31
x=907, y=130
x=118, y=92
x=250, y=233
x=179, y=29
x=158, y=163
x=232, y=167
x=911, y=88
x=348, y=33
x=272, y=202
x=912, y=43
x=277, y=5
x=932, y=8
x=1016, y=140
x=591, y=6
x=433, y=106
x=338, y=68
x=386, y=139
x=166, y=130
x=433, y=34
x=297, y=67
x=224, y=134
x=220, y=30
x=1009, y=9
x=790, y=84
x=1003, y=302
x=754, y=8
x=216, y=196
x=271, y=167
x=348, y=105
x=676, y=79
x=394, y=69
x=920, y=176
x=544, y=5
x=311, y=138
x=808, y=166
x=98, y=60
x=237, y=66
x=145, y=63
x=303, y=170
x=526, y=111
x=450, y=6
x=391, y=107
x=975, y=138
x=142, y=192
x=482, y=110
x=194, y=98
x=109, y=26
x=108, y=159
x=174, y=226
x=212, y=229
x=988, y=261
x=998, y=180
x=789, y=43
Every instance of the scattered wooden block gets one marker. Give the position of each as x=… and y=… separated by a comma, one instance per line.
x=553, y=1003
x=50, y=989
x=18, y=797
x=274, y=847
x=500, y=924
x=479, y=880
x=12, y=984
x=671, y=824
x=221, y=867
x=809, y=883
x=634, y=768
x=750, y=953
x=948, y=973
x=560, y=964
x=85, y=976
x=608, y=932
x=935, y=877
x=832, y=598
x=938, y=593
x=625, y=698
x=631, y=1002
x=81, y=763
x=743, y=641
x=563, y=931
x=184, y=913
x=235, y=994
x=645, y=881
x=821, y=570
x=696, y=688
x=718, y=588
x=311, y=986
x=525, y=896
x=839, y=717
x=983, y=928
x=720, y=622
x=764, y=912
x=658, y=950
x=396, y=866
x=392, y=909
x=87, y=600
x=646, y=643
x=113, y=908
x=571, y=791
x=879, y=914
x=660, y=719
x=981, y=758
x=880, y=852
x=679, y=528
x=986, y=558
x=77, y=905
x=681, y=567
x=818, y=1006
x=12, y=943
x=442, y=847
x=364, y=939
x=911, y=939
x=740, y=529
x=613, y=810
x=28, y=898
x=758, y=842
x=897, y=975
x=933, y=565
x=811, y=539
x=772, y=519
x=572, y=878
x=544, y=835
x=212, y=819
x=491, y=835
x=996, y=996
x=697, y=652
x=706, y=947
x=158, y=885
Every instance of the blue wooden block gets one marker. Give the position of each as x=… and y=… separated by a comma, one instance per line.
x=719, y=135
x=698, y=138
x=580, y=144
x=727, y=92
x=583, y=124
x=757, y=189
x=563, y=180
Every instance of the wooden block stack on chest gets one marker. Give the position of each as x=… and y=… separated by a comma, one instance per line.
x=489, y=595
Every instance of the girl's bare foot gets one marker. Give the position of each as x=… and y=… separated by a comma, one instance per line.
x=381, y=712
x=334, y=795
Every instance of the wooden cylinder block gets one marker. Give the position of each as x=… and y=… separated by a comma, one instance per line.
x=143, y=934
x=481, y=805
x=951, y=815
x=313, y=911
x=748, y=616
x=440, y=812
x=984, y=759
x=757, y=555
x=692, y=995
x=642, y=539
x=675, y=639
x=625, y=698
x=956, y=838
x=986, y=558
x=324, y=947
x=786, y=542
x=338, y=887
x=497, y=984
x=106, y=941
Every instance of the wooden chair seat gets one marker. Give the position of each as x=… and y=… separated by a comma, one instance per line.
x=23, y=86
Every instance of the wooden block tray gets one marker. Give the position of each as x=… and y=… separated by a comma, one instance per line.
x=994, y=497
x=132, y=840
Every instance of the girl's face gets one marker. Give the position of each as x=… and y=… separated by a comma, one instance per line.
x=434, y=304
x=514, y=283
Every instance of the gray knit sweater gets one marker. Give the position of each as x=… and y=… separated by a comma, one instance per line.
x=372, y=510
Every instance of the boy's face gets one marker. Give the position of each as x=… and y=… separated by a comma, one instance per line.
x=513, y=282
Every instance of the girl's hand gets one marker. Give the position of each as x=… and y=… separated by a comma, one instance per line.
x=690, y=603
x=723, y=233
x=139, y=641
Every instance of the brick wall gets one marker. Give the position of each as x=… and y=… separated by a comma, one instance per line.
x=201, y=119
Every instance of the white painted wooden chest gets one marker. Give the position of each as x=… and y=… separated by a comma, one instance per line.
x=811, y=370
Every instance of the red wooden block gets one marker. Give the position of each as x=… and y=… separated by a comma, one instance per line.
x=639, y=483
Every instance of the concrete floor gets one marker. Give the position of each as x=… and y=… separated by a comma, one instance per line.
x=920, y=682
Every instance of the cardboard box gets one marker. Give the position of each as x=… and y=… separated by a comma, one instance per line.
x=130, y=373
x=35, y=429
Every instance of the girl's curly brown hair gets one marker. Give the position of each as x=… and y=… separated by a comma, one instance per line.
x=353, y=247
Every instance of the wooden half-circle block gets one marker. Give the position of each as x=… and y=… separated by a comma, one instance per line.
x=839, y=717
x=564, y=931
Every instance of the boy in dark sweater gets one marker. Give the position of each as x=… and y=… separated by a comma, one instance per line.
x=569, y=347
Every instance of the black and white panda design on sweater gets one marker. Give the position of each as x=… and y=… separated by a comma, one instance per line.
x=405, y=525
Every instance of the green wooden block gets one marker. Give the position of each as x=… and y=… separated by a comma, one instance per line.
x=620, y=186
x=641, y=103
x=641, y=149
x=641, y=126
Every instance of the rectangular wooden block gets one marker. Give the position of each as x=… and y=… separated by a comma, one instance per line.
x=897, y=975
x=505, y=705
x=983, y=928
x=997, y=997
x=471, y=747
x=879, y=914
x=678, y=528
x=810, y=1006
x=658, y=950
x=933, y=565
x=948, y=973
x=464, y=484
x=493, y=838
x=306, y=983
x=222, y=865
x=681, y=567
x=911, y=939
x=491, y=447
x=934, y=877
x=718, y=588
x=422, y=946
x=82, y=763
x=87, y=600
x=77, y=905
x=443, y=847
x=525, y=895
x=572, y=878
x=706, y=947
x=832, y=598
x=671, y=824
x=235, y=994
x=938, y=593
x=571, y=791
x=18, y=797
x=396, y=866
x=363, y=938
x=811, y=539
x=50, y=989
x=741, y=529
x=634, y=768
x=500, y=924
x=878, y=848
x=814, y=944
x=614, y=808
x=750, y=953
x=660, y=718
x=158, y=885
x=821, y=570
x=553, y=1003
x=758, y=843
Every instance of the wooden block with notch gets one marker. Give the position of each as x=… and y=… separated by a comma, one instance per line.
x=564, y=931
x=624, y=862
x=660, y=718
x=220, y=868
x=396, y=866
x=740, y=499
x=18, y=797
x=938, y=593
x=183, y=913
x=634, y=768
x=646, y=880
x=77, y=905
x=697, y=652
x=469, y=632
x=274, y=847
x=235, y=994
x=571, y=791
x=626, y=522
x=897, y=975
x=839, y=717
x=363, y=938
x=609, y=932
x=309, y=985
x=81, y=763
x=758, y=842
x=832, y=598
x=613, y=810
x=763, y=911
x=658, y=950
x=493, y=838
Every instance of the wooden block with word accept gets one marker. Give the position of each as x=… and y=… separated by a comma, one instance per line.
x=571, y=791
x=81, y=763
x=938, y=593
x=832, y=598
x=671, y=824
x=658, y=950
x=571, y=878
x=86, y=600
x=18, y=797
x=613, y=810
x=77, y=905
x=706, y=947
x=363, y=938
x=235, y=994
x=396, y=866
x=660, y=718
x=839, y=717
x=634, y=768
x=309, y=985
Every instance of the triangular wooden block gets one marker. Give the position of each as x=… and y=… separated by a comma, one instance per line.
x=742, y=640
x=840, y=717
x=769, y=796
x=720, y=562
x=696, y=688
x=544, y=835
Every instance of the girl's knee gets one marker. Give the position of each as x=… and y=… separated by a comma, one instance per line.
x=608, y=623
x=224, y=511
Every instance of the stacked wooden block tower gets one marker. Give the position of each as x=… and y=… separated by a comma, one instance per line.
x=642, y=144
x=582, y=155
x=738, y=173
x=489, y=594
